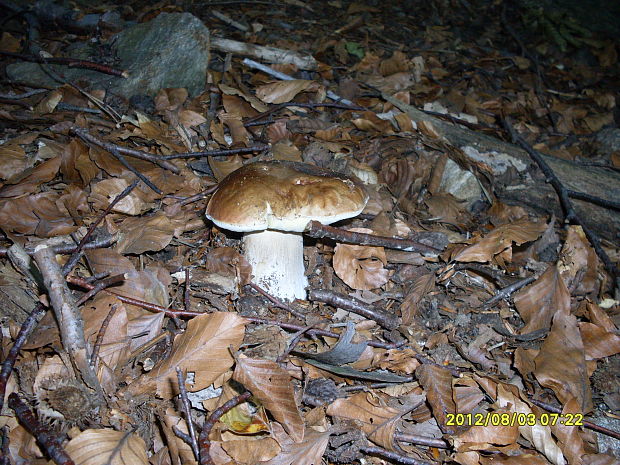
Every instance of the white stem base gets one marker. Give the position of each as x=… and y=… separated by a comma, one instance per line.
x=277, y=260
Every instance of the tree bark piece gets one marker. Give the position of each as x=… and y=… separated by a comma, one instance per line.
x=519, y=182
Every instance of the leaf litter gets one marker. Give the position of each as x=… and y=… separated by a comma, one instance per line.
x=461, y=379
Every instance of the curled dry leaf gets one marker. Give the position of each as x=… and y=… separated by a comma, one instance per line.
x=359, y=266
x=27, y=181
x=561, y=364
x=378, y=420
x=107, y=447
x=105, y=191
x=144, y=234
x=538, y=302
x=421, y=286
x=500, y=240
x=481, y=437
x=282, y=91
x=539, y=436
x=228, y=262
x=307, y=452
x=38, y=214
x=272, y=386
x=204, y=348
x=437, y=383
x=578, y=262
x=180, y=451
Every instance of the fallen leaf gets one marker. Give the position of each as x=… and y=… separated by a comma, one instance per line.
x=437, y=383
x=107, y=447
x=360, y=266
x=272, y=386
x=144, y=234
x=541, y=300
x=561, y=365
x=204, y=348
x=307, y=452
x=282, y=91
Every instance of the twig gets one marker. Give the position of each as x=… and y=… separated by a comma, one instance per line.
x=387, y=320
x=507, y=291
x=194, y=198
x=115, y=153
x=392, y=455
x=67, y=314
x=612, y=205
x=188, y=417
x=70, y=62
x=586, y=424
x=217, y=153
x=172, y=312
x=317, y=230
x=186, y=289
x=203, y=440
x=286, y=77
x=110, y=147
x=24, y=331
x=79, y=250
x=278, y=303
x=296, y=338
x=23, y=95
x=101, y=334
x=567, y=206
x=130, y=300
x=228, y=20
x=44, y=437
x=421, y=440
x=70, y=248
x=301, y=105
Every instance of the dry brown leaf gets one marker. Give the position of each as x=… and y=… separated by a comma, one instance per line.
x=28, y=180
x=238, y=132
x=251, y=451
x=256, y=104
x=222, y=168
x=360, y=266
x=437, y=383
x=421, y=286
x=107, y=447
x=481, y=437
x=598, y=342
x=180, y=450
x=401, y=361
x=307, y=452
x=445, y=207
x=228, y=262
x=12, y=159
x=204, y=348
x=282, y=91
x=538, y=302
x=539, y=436
x=38, y=214
x=578, y=262
x=569, y=436
x=378, y=420
x=561, y=365
x=170, y=99
x=521, y=459
x=272, y=386
x=144, y=234
x=103, y=192
x=500, y=240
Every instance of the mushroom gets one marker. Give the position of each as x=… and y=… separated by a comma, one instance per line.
x=272, y=202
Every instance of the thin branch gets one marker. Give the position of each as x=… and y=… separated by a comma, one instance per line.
x=194, y=198
x=24, y=331
x=70, y=62
x=392, y=455
x=421, y=440
x=71, y=248
x=567, y=206
x=110, y=147
x=317, y=230
x=116, y=154
x=45, y=438
x=101, y=334
x=217, y=153
x=172, y=312
x=387, y=320
x=586, y=424
x=507, y=291
x=278, y=303
x=296, y=338
x=67, y=314
x=611, y=204
x=203, y=440
x=188, y=417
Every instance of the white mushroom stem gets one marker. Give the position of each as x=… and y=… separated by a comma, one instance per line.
x=277, y=260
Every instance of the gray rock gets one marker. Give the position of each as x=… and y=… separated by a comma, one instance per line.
x=460, y=183
x=169, y=51
x=608, y=141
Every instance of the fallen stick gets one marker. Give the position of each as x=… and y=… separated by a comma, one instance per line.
x=268, y=54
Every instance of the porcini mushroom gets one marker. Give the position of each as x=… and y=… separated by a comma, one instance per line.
x=271, y=202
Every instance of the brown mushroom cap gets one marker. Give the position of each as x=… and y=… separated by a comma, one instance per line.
x=285, y=196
